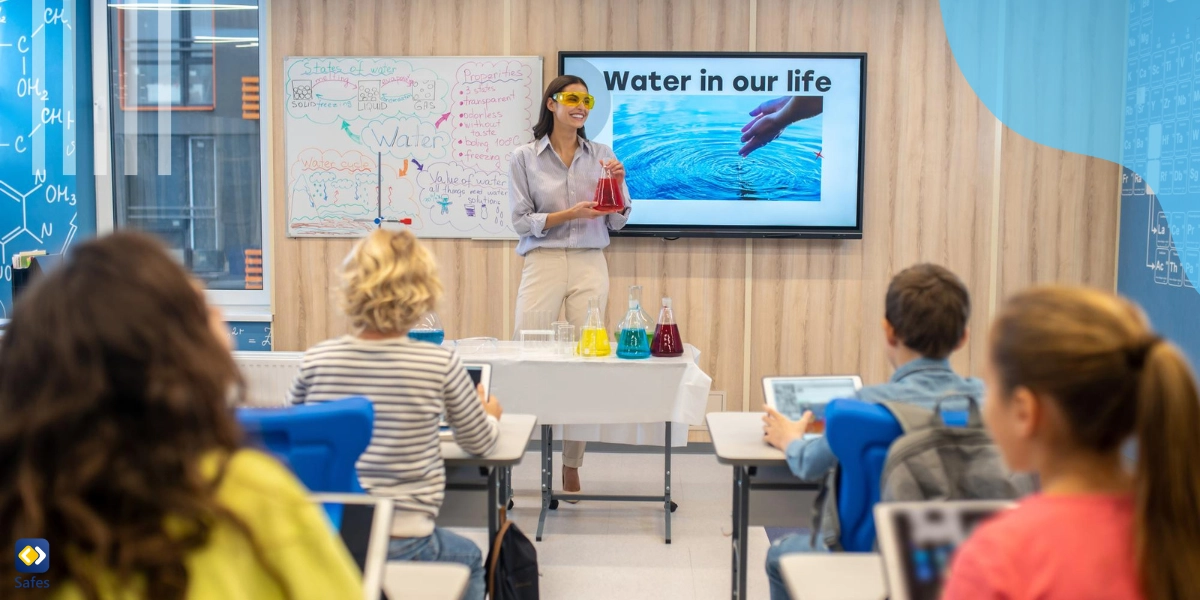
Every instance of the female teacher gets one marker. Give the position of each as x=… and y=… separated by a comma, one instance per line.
x=551, y=183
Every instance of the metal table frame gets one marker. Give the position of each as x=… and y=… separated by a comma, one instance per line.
x=550, y=500
x=743, y=482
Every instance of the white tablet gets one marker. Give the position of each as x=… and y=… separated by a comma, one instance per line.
x=365, y=525
x=918, y=540
x=481, y=373
x=792, y=396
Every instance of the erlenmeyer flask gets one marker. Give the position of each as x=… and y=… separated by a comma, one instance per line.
x=593, y=338
x=666, y=335
x=632, y=338
x=608, y=194
x=428, y=329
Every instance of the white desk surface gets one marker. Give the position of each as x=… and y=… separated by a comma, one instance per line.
x=574, y=391
x=834, y=576
x=425, y=581
x=515, y=433
x=737, y=439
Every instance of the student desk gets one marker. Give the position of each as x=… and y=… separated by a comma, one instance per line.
x=425, y=581
x=738, y=441
x=472, y=480
x=602, y=399
x=834, y=576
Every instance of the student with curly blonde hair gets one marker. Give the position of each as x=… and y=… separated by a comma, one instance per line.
x=388, y=281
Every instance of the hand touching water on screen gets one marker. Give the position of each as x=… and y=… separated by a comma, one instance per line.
x=780, y=431
x=772, y=117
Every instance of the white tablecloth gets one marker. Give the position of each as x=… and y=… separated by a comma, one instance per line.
x=600, y=399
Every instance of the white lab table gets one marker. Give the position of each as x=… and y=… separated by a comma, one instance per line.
x=599, y=399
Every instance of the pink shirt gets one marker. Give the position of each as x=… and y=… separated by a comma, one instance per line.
x=1051, y=548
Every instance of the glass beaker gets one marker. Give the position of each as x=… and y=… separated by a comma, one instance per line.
x=666, y=334
x=564, y=337
x=428, y=329
x=608, y=196
x=633, y=340
x=593, y=338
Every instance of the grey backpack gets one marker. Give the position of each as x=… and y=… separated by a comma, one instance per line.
x=932, y=461
x=929, y=461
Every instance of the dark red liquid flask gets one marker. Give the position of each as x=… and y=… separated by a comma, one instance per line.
x=608, y=195
x=667, y=341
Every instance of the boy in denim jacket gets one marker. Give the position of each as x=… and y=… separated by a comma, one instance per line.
x=925, y=319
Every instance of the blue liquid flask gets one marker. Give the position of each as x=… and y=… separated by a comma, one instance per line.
x=633, y=340
x=428, y=329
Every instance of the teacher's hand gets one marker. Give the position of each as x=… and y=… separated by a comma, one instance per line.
x=615, y=169
x=585, y=210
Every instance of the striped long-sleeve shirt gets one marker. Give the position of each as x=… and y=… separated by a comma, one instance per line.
x=410, y=384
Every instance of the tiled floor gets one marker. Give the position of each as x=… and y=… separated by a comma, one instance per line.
x=615, y=550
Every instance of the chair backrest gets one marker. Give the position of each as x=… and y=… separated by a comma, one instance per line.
x=320, y=442
x=860, y=434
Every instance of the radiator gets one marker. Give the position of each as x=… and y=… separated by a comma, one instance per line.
x=268, y=375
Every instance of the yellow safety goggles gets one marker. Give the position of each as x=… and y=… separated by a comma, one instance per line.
x=575, y=99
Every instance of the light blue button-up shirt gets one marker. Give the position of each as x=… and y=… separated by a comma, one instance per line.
x=539, y=184
x=923, y=381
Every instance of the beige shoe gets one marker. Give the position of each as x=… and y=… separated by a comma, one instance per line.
x=564, y=486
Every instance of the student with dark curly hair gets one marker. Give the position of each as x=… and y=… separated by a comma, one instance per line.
x=118, y=445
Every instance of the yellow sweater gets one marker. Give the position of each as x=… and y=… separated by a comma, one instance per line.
x=294, y=534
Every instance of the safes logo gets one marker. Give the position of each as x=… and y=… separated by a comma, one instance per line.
x=32, y=555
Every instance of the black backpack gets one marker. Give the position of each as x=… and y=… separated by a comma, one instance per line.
x=512, y=568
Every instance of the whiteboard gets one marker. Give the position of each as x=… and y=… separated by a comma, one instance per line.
x=405, y=142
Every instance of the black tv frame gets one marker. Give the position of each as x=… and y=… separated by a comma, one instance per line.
x=749, y=231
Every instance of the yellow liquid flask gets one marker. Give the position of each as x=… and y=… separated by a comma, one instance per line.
x=593, y=338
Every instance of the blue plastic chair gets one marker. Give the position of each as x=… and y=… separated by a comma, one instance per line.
x=860, y=434
x=320, y=442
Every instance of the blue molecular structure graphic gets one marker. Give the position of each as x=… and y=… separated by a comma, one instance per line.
x=47, y=197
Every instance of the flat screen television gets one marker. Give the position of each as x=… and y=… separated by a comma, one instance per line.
x=732, y=144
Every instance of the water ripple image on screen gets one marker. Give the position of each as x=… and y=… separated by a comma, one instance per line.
x=686, y=148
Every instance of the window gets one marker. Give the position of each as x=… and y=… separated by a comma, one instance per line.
x=187, y=140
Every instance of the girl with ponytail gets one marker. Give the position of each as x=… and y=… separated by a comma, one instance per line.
x=1072, y=375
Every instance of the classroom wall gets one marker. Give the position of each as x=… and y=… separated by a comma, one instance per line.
x=945, y=182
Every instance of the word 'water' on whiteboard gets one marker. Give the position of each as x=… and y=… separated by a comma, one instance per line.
x=421, y=143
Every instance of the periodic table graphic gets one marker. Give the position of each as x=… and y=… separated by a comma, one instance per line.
x=1161, y=138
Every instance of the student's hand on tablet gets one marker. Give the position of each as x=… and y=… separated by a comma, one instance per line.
x=490, y=404
x=779, y=431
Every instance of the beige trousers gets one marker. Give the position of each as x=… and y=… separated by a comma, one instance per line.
x=552, y=278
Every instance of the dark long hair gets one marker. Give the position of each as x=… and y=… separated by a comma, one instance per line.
x=1095, y=356
x=112, y=389
x=545, y=124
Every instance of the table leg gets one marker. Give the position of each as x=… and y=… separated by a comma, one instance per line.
x=547, y=476
x=733, y=543
x=741, y=526
x=667, y=480
x=494, y=504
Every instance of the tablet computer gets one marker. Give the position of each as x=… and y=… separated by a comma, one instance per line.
x=481, y=374
x=792, y=396
x=364, y=524
x=918, y=540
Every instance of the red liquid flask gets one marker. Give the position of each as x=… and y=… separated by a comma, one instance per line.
x=667, y=341
x=608, y=195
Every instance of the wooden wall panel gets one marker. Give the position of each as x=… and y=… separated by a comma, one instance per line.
x=1058, y=219
x=938, y=167
x=927, y=192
